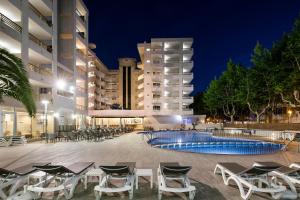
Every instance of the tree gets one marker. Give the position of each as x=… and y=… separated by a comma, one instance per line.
x=14, y=82
x=257, y=87
x=229, y=87
x=286, y=59
x=211, y=98
x=198, y=105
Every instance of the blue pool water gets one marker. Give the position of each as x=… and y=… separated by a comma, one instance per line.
x=192, y=141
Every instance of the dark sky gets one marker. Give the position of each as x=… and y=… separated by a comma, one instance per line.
x=221, y=29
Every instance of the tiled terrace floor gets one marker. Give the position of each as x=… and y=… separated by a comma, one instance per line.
x=131, y=147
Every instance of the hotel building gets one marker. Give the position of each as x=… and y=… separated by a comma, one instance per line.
x=152, y=93
x=51, y=38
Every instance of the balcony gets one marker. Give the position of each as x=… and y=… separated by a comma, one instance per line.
x=40, y=15
x=188, y=87
x=41, y=74
x=40, y=47
x=81, y=56
x=5, y=20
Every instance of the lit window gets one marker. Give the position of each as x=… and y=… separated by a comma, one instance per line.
x=147, y=49
x=148, y=61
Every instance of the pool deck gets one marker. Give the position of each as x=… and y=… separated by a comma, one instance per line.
x=132, y=147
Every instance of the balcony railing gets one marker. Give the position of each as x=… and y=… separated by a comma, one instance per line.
x=40, y=43
x=80, y=15
x=41, y=70
x=5, y=20
x=81, y=34
x=40, y=15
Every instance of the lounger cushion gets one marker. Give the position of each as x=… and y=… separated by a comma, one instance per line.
x=175, y=170
x=21, y=171
x=76, y=168
x=116, y=170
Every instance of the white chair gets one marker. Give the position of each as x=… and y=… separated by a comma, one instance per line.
x=18, y=140
x=173, y=171
x=290, y=176
x=11, y=180
x=112, y=173
x=66, y=179
x=4, y=142
x=254, y=179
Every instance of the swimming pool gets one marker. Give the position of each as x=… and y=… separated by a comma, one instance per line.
x=201, y=142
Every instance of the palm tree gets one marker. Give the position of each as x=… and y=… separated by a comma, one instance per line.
x=14, y=82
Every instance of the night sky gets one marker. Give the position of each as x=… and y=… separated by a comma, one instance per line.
x=221, y=29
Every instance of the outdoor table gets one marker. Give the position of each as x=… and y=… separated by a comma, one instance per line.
x=95, y=172
x=143, y=172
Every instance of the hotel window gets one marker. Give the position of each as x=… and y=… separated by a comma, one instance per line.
x=156, y=107
x=156, y=84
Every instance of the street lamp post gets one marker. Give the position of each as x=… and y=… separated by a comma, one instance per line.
x=289, y=115
x=45, y=103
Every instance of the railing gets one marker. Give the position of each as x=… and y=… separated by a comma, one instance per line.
x=187, y=73
x=81, y=54
x=81, y=34
x=268, y=135
x=5, y=20
x=40, y=15
x=40, y=70
x=80, y=15
x=40, y=43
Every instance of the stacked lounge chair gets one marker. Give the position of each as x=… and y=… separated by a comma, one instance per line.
x=173, y=171
x=258, y=178
x=66, y=179
x=12, y=179
x=120, y=171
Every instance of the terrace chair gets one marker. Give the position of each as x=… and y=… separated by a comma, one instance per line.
x=17, y=140
x=4, y=142
x=295, y=165
x=11, y=180
x=66, y=179
x=254, y=179
x=173, y=171
x=122, y=172
x=290, y=176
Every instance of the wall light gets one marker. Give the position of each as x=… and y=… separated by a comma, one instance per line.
x=61, y=84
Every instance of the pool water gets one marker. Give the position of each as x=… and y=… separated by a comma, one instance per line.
x=201, y=142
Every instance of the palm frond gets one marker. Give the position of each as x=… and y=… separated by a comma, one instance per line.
x=14, y=82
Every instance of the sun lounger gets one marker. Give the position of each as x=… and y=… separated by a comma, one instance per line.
x=18, y=140
x=66, y=179
x=14, y=178
x=295, y=165
x=4, y=142
x=173, y=171
x=285, y=175
x=254, y=179
x=123, y=172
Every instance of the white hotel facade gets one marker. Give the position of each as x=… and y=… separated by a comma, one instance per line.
x=51, y=38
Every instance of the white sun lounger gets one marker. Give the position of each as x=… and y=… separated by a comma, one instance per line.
x=173, y=171
x=252, y=179
x=295, y=165
x=4, y=142
x=11, y=180
x=68, y=179
x=286, y=175
x=120, y=171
